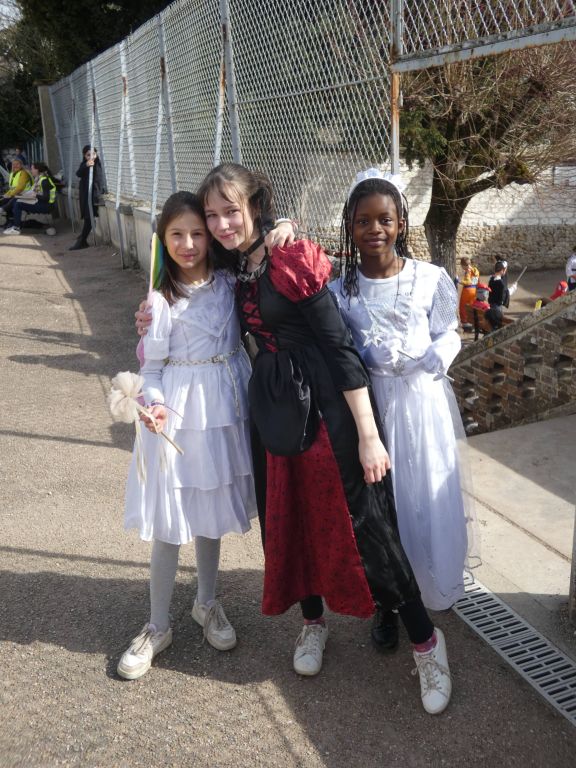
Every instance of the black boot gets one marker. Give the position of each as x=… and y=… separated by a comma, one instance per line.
x=384, y=631
x=79, y=245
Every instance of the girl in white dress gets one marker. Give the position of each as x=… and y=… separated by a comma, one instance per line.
x=403, y=318
x=195, y=382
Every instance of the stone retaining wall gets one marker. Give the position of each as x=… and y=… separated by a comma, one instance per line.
x=535, y=247
x=524, y=372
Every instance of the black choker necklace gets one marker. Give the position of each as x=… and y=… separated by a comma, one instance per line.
x=254, y=247
x=244, y=257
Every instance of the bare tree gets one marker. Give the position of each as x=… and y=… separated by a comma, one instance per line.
x=485, y=124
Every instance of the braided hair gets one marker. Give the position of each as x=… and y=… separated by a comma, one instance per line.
x=349, y=254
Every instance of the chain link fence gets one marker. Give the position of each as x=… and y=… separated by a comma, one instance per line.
x=301, y=91
x=439, y=23
x=309, y=104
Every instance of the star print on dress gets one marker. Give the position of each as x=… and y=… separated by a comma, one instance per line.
x=373, y=335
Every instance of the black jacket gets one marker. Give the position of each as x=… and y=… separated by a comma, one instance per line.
x=83, y=174
x=499, y=293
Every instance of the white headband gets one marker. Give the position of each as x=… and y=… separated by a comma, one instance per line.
x=375, y=173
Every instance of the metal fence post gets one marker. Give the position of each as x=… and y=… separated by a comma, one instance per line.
x=119, y=172
x=89, y=200
x=127, y=116
x=98, y=134
x=59, y=142
x=165, y=92
x=74, y=135
x=220, y=112
x=397, y=47
x=158, y=145
x=230, y=80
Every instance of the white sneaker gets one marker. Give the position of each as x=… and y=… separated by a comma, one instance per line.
x=137, y=660
x=435, y=681
x=217, y=629
x=51, y=231
x=12, y=231
x=310, y=649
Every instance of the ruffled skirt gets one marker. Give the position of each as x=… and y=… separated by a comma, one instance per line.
x=209, y=491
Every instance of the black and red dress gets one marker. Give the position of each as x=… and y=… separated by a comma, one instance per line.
x=326, y=531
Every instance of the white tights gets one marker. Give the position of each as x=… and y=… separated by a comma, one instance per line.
x=163, y=566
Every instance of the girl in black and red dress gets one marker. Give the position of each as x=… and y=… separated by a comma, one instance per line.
x=329, y=525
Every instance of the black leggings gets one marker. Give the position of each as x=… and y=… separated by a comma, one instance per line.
x=413, y=614
x=86, y=229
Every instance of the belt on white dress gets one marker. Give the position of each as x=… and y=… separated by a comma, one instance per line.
x=223, y=358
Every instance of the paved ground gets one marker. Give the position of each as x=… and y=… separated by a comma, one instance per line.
x=74, y=590
x=525, y=487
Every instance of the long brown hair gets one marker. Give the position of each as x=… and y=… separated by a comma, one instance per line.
x=238, y=184
x=175, y=205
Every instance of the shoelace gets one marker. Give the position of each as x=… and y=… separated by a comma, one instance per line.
x=309, y=639
x=429, y=668
x=215, y=615
x=141, y=640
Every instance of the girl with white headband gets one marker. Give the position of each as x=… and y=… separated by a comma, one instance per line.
x=403, y=318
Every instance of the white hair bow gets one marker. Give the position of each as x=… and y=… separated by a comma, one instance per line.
x=375, y=173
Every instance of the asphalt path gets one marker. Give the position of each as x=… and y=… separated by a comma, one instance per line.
x=73, y=589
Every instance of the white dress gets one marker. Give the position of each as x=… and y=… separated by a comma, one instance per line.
x=414, y=311
x=195, y=364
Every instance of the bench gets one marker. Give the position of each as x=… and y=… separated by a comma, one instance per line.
x=479, y=323
x=45, y=220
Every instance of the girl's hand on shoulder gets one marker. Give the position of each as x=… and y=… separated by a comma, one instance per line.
x=374, y=459
x=143, y=318
x=160, y=414
x=283, y=234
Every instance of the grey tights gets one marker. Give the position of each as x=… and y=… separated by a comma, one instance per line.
x=163, y=567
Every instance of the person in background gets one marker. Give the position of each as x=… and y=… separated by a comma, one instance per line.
x=560, y=290
x=500, y=294
x=42, y=197
x=571, y=270
x=469, y=281
x=19, y=152
x=481, y=300
x=18, y=182
x=90, y=160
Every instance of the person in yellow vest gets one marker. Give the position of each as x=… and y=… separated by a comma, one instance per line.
x=40, y=199
x=19, y=181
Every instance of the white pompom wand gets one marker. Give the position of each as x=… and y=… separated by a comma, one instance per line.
x=124, y=405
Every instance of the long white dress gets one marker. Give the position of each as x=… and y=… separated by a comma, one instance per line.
x=411, y=312
x=195, y=364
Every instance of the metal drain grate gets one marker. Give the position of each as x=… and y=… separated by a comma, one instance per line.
x=548, y=670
